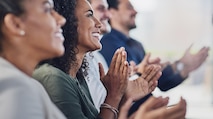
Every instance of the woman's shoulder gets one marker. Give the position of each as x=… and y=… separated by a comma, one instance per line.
x=47, y=73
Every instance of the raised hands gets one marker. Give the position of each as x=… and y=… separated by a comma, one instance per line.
x=152, y=108
x=137, y=89
x=193, y=61
x=149, y=71
x=142, y=85
x=176, y=112
x=155, y=108
x=115, y=81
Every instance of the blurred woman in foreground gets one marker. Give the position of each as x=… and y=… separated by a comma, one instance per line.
x=26, y=40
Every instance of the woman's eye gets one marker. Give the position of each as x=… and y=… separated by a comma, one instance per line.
x=90, y=14
x=48, y=10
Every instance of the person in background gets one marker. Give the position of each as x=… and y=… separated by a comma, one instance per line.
x=26, y=40
x=63, y=78
x=122, y=20
x=97, y=89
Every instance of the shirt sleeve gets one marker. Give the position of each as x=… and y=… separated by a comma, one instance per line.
x=169, y=79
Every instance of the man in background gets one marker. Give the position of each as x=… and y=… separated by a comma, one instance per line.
x=122, y=20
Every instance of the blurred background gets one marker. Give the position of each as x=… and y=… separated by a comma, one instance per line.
x=167, y=28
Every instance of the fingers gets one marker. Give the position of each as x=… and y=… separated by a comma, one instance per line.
x=178, y=111
x=146, y=59
x=125, y=109
x=189, y=48
x=147, y=71
x=203, y=53
x=101, y=70
x=158, y=113
x=117, y=61
x=155, y=61
x=153, y=74
x=114, y=59
x=120, y=61
x=162, y=103
x=133, y=68
x=126, y=70
x=116, y=78
x=152, y=85
x=153, y=108
x=124, y=64
x=144, y=62
x=152, y=102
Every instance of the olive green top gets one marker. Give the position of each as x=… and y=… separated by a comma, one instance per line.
x=69, y=94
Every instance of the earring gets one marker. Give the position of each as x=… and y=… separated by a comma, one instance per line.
x=22, y=33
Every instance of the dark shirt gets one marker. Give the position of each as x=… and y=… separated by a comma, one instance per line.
x=135, y=52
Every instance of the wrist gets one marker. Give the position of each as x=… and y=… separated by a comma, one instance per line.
x=111, y=108
x=181, y=68
x=113, y=100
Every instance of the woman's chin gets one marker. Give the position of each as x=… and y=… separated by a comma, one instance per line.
x=59, y=53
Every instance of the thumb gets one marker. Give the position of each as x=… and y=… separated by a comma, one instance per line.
x=146, y=59
x=101, y=70
x=189, y=48
x=124, y=109
x=143, y=63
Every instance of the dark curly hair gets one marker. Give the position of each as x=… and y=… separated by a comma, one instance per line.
x=113, y=3
x=67, y=9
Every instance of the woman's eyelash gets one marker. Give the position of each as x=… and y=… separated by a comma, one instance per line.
x=90, y=13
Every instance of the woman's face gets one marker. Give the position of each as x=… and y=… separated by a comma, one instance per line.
x=42, y=26
x=88, y=27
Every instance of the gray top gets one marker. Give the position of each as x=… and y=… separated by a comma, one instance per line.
x=22, y=97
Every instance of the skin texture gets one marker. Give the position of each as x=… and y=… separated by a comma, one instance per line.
x=155, y=108
x=102, y=14
x=123, y=18
x=192, y=61
x=21, y=43
x=88, y=27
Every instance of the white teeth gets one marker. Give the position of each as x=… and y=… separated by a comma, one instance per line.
x=96, y=34
x=60, y=30
x=60, y=36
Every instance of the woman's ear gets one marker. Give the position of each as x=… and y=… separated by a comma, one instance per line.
x=14, y=25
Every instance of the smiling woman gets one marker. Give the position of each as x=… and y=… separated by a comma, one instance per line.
x=63, y=78
x=88, y=27
x=24, y=42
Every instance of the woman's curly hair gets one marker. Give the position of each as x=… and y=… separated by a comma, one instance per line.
x=67, y=8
